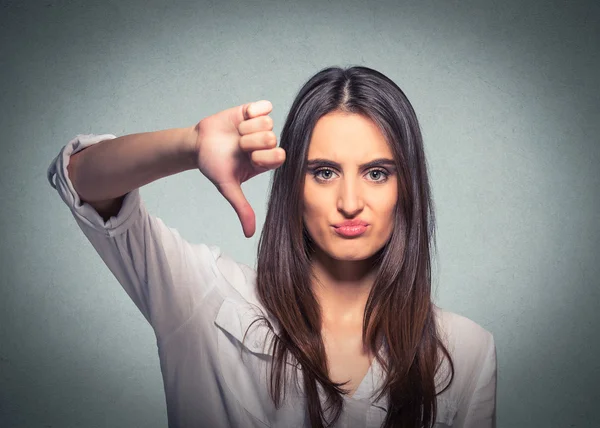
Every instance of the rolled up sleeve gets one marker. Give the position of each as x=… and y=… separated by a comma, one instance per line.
x=165, y=276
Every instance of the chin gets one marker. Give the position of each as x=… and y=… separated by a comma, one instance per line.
x=341, y=255
x=344, y=258
x=358, y=253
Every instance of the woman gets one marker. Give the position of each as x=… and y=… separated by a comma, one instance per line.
x=336, y=326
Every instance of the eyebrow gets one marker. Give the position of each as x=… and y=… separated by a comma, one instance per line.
x=312, y=163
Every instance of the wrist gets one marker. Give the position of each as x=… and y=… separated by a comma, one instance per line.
x=190, y=146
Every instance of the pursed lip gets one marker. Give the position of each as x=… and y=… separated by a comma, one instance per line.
x=351, y=223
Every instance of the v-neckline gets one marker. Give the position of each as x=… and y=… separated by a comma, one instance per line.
x=370, y=382
x=360, y=393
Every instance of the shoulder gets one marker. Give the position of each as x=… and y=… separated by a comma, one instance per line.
x=238, y=280
x=470, y=346
x=472, y=349
x=462, y=332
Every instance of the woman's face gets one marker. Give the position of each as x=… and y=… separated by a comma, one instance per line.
x=340, y=186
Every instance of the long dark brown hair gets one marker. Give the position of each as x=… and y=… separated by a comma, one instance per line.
x=399, y=312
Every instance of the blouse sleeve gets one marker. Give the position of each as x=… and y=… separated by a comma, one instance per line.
x=165, y=276
x=482, y=408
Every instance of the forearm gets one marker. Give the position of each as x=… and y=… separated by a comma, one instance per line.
x=112, y=168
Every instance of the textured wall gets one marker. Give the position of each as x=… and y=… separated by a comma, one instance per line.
x=508, y=96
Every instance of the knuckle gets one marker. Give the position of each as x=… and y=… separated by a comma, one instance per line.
x=268, y=122
x=256, y=158
x=270, y=139
x=244, y=142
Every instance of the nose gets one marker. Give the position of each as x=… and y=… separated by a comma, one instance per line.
x=350, y=201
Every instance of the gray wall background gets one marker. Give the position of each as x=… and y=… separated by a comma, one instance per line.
x=508, y=96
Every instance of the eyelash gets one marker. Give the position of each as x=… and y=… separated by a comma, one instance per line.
x=316, y=172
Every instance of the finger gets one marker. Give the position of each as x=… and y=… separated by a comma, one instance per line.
x=233, y=193
x=258, y=141
x=260, y=123
x=257, y=108
x=269, y=159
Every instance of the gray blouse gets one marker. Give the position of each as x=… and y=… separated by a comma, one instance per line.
x=200, y=302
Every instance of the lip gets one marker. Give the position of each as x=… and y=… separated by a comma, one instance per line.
x=350, y=231
x=351, y=223
x=350, y=228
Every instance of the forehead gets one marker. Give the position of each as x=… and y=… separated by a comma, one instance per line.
x=346, y=136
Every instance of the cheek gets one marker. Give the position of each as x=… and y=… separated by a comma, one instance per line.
x=390, y=207
x=315, y=219
x=313, y=203
x=388, y=217
x=312, y=215
x=309, y=212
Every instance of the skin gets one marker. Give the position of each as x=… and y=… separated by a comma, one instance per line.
x=343, y=266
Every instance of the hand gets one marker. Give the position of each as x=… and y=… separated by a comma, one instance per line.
x=235, y=145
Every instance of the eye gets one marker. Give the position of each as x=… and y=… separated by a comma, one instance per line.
x=325, y=177
x=325, y=174
x=379, y=173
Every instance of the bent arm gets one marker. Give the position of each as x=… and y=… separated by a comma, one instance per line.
x=165, y=276
x=103, y=173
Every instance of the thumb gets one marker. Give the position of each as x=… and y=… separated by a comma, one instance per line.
x=233, y=193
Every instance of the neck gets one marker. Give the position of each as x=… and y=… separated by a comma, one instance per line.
x=342, y=287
